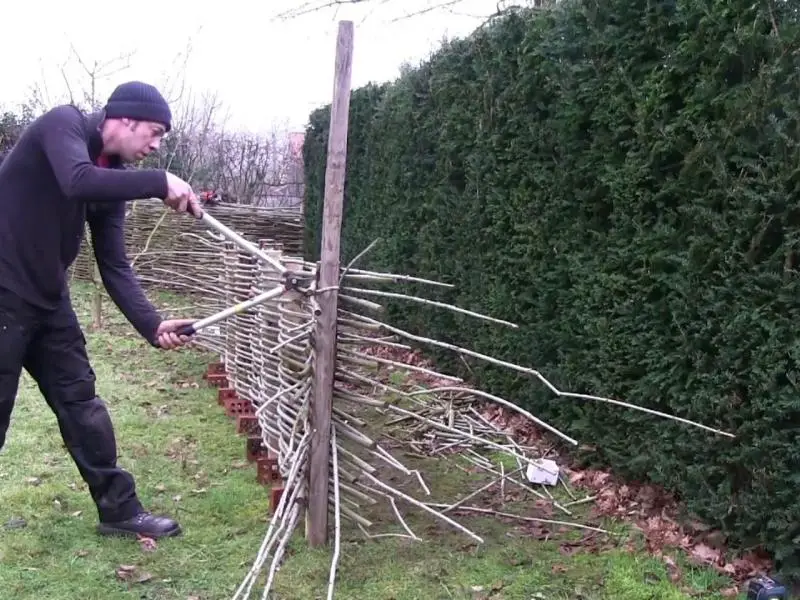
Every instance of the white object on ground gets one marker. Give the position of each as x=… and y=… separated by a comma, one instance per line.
x=543, y=470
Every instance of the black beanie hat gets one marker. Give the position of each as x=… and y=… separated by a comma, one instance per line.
x=139, y=101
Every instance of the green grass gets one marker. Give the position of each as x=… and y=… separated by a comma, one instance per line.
x=189, y=464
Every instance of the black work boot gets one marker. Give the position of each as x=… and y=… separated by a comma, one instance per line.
x=144, y=524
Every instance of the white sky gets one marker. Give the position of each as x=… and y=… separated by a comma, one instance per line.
x=266, y=70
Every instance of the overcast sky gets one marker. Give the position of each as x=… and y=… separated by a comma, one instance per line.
x=266, y=69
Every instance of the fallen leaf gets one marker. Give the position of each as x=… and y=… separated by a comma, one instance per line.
x=147, y=544
x=124, y=571
x=131, y=574
x=33, y=481
x=705, y=554
x=730, y=592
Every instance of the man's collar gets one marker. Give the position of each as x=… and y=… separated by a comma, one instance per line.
x=93, y=123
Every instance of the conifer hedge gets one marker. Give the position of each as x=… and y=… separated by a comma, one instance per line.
x=621, y=179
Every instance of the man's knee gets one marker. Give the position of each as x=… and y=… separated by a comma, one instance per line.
x=86, y=423
x=80, y=392
x=78, y=406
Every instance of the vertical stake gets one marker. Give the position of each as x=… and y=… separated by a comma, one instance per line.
x=325, y=334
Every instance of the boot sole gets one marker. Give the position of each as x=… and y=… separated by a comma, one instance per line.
x=110, y=530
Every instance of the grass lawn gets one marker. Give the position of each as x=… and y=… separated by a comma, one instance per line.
x=190, y=464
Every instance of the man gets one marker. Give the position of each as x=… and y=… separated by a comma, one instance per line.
x=67, y=170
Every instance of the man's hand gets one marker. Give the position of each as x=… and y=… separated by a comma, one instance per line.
x=181, y=197
x=166, y=336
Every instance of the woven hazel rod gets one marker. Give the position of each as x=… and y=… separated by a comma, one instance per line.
x=479, y=491
x=369, y=360
x=348, y=396
x=266, y=334
x=288, y=414
x=209, y=259
x=502, y=402
x=345, y=322
x=537, y=374
x=431, y=303
x=361, y=302
x=173, y=270
x=280, y=521
x=357, y=340
x=455, y=432
x=359, y=465
x=359, y=274
x=389, y=490
x=343, y=374
x=275, y=523
x=479, y=461
x=201, y=290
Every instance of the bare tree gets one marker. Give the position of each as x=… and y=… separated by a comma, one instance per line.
x=409, y=8
x=11, y=126
x=83, y=80
x=185, y=150
x=174, y=86
x=256, y=169
x=94, y=74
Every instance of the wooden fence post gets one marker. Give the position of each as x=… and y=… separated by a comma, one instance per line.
x=325, y=334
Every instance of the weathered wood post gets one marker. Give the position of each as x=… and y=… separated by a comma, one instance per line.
x=325, y=334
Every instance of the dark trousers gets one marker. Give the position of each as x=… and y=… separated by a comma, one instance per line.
x=51, y=347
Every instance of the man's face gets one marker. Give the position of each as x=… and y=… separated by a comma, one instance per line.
x=139, y=138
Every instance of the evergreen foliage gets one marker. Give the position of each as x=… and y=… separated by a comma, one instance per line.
x=620, y=179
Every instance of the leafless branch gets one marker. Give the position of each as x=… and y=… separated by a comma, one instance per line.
x=317, y=6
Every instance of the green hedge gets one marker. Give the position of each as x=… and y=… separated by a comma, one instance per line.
x=621, y=179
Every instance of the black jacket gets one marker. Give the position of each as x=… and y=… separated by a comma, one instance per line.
x=49, y=189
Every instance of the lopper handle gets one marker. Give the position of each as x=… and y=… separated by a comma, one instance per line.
x=187, y=330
